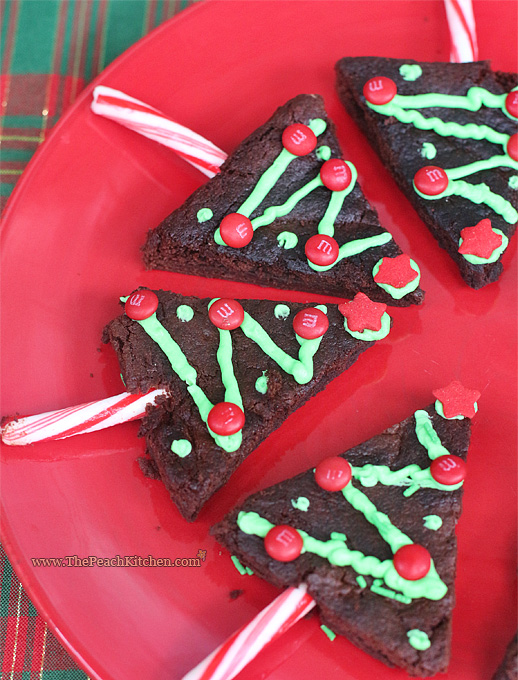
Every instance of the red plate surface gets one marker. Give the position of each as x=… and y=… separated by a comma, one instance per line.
x=71, y=246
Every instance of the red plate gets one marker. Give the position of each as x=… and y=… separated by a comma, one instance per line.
x=71, y=246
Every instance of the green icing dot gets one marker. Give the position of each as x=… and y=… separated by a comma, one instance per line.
x=204, y=215
x=513, y=182
x=323, y=153
x=432, y=522
x=410, y=71
x=301, y=503
x=287, y=240
x=328, y=632
x=418, y=639
x=336, y=535
x=281, y=311
x=428, y=151
x=474, y=259
x=361, y=581
x=261, y=384
x=182, y=447
x=185, y=313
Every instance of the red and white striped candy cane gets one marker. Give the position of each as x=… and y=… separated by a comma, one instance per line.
x=463, y=33
x=152, y=123
x=244, y=645
x=67, y=422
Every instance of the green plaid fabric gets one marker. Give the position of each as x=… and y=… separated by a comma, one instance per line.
x=49, y=49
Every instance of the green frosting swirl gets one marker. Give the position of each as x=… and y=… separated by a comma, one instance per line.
x=182, y=447
x=410, y=71
x=474, y=259
x=398, y=293
x=369, y=335
x=440, y=410
x=185, y=313
x=287, y=240
x=418, y=639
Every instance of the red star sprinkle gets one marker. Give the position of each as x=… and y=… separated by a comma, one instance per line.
x=457, y=400
x=479, y=240
x=395, y=271
x=362, y=313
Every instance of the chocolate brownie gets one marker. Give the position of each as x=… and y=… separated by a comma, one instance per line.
x=276, y=188
x=359, y=549
x=508, y=669
x=447, y=133
x=262, y=361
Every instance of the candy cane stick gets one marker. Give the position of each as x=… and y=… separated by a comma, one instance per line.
x=68, y=422
x=244, y=645
x=463, y=32
x=150, y=122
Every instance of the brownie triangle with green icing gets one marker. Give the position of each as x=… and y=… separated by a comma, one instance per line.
x=287, y=211
x=232, y=372
x=372, y=534
x=448, y=135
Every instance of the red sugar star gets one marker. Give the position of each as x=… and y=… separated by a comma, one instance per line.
x=395, y=271
x=479, y=240
x=457, y=400
x=362, y=313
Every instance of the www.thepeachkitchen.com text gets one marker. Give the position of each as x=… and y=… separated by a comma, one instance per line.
x=120, y=561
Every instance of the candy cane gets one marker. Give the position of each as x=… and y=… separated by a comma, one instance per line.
x=152, y=123
x=463, y=34
x=244, y=645
x=95, y=415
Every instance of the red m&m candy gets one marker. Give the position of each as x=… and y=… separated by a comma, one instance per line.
x=511, y=103
x=310, y=323
x=141, y=305
x=512, y=147
x=412, y=561
x=283, y=543
x=226, y=314
x=226, y=418
x=333, y=474
x=322, y=250
x=299, y=139
x=236, y=230
x=448, y=469
x=379, y=90
x=336, y=174
x=431, y=180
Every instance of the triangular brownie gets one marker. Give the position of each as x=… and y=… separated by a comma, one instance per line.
x=234, y=370
x=286, y=211
x=448, y=135
x=367, y=540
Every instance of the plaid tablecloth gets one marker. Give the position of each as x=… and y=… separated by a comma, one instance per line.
x=49, y=50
